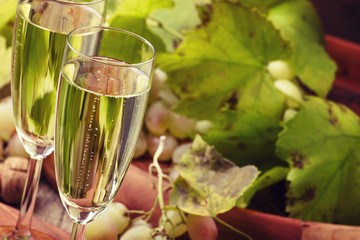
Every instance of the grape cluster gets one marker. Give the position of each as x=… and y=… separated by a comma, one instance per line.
x=160, y=119
x=112, y=222
x=115, y=222
x=283, y=81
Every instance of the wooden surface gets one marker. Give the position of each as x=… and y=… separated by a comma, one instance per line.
x=49, y=214
x=50, y=209
x=8, y=217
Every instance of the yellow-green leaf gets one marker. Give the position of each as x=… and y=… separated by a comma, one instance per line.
x=219, y=74
x=132, y=15
x=322, y=146
x=209, y=184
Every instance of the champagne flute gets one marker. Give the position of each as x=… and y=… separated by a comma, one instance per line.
x=102, y=95
x=40, y=32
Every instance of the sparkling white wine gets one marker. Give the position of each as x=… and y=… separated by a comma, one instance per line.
x=100, y=111
x=39, y=41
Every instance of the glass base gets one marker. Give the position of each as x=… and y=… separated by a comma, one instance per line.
x=6, y=233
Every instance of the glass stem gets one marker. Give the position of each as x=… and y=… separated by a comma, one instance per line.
x=78, y=231
x=22, y=229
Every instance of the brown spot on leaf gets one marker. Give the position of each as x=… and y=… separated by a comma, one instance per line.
x=185, y=88
x=342, y=108
x=176, y=43
x=205, y=13
x=332, y=116
x=297, y=159
x=195, y=200
x=228, y=127
x=333, y=121
x=233, y=100
x=309, y=194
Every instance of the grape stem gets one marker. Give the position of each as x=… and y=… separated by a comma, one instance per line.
x=159, y=198
x=155, y=164
x=232, y=228
x=156, y=23
x=145, y=215
x=137, y=212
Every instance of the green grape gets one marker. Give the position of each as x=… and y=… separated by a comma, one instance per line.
x=102, y=228
x=15, y=147
x=203, y=126
x=180, y=127
x=279, y=69
x=119, y=213
x=7, y=123
x=175, y=224
x=139, y=222
x=137, y=233
x=168, y=97
x=158, y=83
x=141, y=145
x=179, y=151
x=157, y=118
x=289, y=89
x=169, y=146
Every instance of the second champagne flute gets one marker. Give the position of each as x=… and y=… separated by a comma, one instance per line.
x=102, y=96
x=39, y=39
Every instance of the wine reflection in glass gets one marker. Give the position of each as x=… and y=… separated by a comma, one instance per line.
x=40, y=32
x=102, y=97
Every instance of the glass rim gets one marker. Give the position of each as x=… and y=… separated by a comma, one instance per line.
x=82, y=3
x=120, y=64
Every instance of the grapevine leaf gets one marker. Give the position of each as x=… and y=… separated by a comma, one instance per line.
x=300, y=24
x=321, y=145
x=141, y=8
x=5, y=68
x=219, y=70
x=240, y=135
x=132, y=15
x=209, y=184
x=174, y=21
